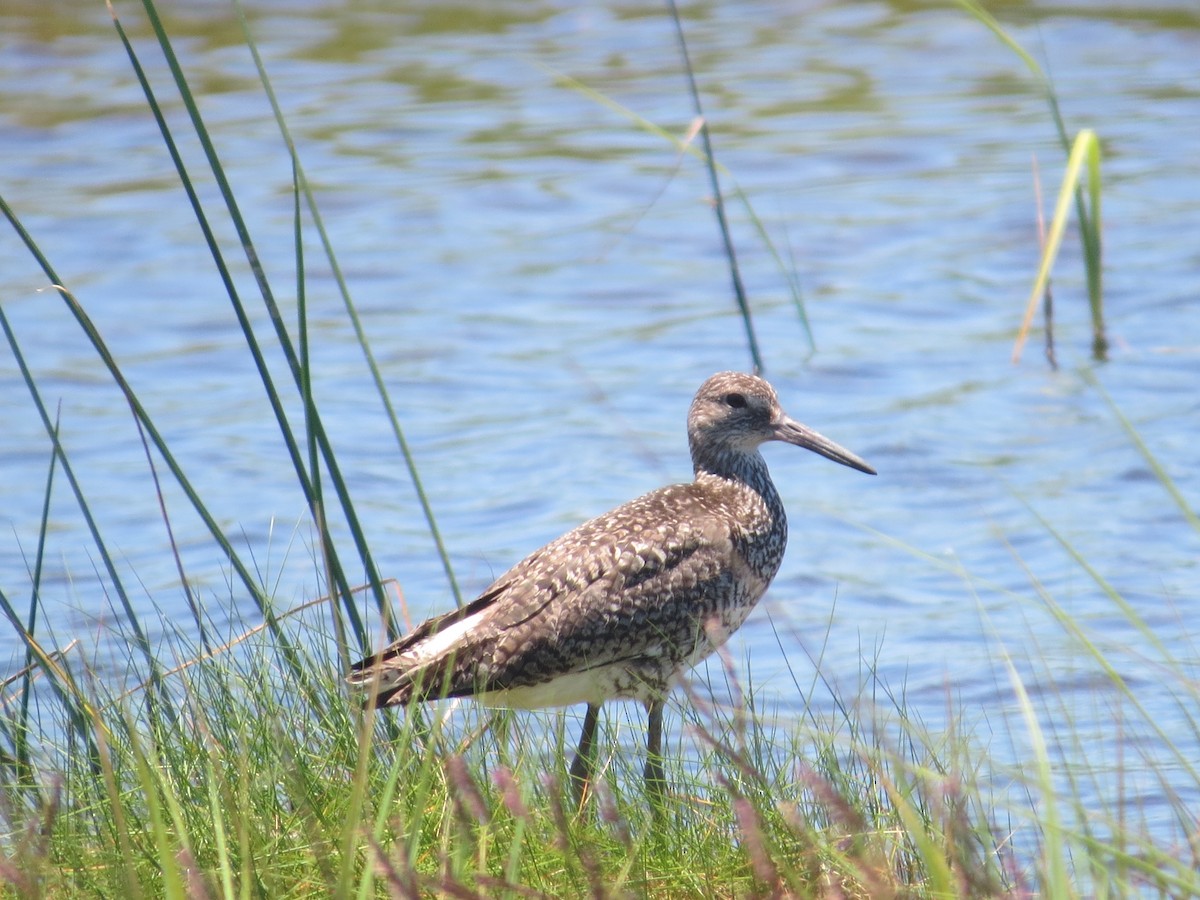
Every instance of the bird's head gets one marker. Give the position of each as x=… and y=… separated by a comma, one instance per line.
x=735, y=413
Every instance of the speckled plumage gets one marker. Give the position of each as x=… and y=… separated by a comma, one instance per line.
x=624, y=604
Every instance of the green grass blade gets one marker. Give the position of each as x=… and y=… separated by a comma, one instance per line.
x=190, y=598
x=1039, y=75
x=58, y=677
x=1088, y=215
x=1086, y=147
x=1091, y=229
x=686, y=146
x=988, y=20
x=938, y=875
x=788, y=268
x=285, y=345
x=352, y=313
x=165, y=842
x=739, y=290
x=21, y=750
x=1057, y=884
x=1109, y=591
x=272, y=394
x=221, y=843
x=118, y=824
x=337, y=610
x=1184, y=759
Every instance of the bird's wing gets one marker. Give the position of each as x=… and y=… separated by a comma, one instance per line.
x=611, y=590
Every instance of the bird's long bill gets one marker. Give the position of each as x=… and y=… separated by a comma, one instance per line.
x=802, y=436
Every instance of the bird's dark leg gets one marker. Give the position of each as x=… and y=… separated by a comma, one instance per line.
x=656, y=781
x=581, y=768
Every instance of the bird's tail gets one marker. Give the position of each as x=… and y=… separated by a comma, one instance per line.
x=419, y=666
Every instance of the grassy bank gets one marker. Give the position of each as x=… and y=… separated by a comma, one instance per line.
x=228, y=779
x=221, y=775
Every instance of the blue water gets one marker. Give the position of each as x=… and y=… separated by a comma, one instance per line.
x=544, y=287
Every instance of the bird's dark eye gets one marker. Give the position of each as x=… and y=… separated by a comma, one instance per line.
x=737, y=401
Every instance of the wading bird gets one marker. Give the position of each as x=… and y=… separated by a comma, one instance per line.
x=623, y=605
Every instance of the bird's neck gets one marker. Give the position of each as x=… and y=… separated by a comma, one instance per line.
x=743, y=467
x=746, y=493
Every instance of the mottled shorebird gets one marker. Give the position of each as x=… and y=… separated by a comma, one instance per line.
x=623, y=605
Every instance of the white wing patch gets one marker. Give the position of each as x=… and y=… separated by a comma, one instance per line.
x=438, y=645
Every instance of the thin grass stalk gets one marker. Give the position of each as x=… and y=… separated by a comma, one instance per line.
x=156, y=794
x=937, y=869
x=189, y=594
x=249, y=872
x=1048, y=295
x=1056, y=883
x=1087, y=216
x=317, y=507
x=1085, y=149
x=788, y=269
x=352, y=313
x=1160, y=870
x=1090, y=224
x=510, y=794
x=684, y=145
x=1131, y=614
x=117, y=825
x=1180, y=761
x=402, y=882
x=420, y=795
x=739, y=291
x=306, y=394
x=144, y=420
x=239, y=309
x=212, y=782
x=58, y=677
x=384, y=803
x=21, y=738
x=360, y=786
